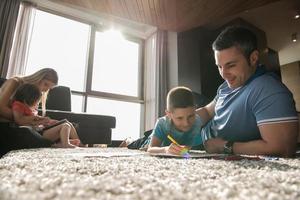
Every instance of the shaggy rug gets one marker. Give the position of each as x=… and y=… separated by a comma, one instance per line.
x=119, y=173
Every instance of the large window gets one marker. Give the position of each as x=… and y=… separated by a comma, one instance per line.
x=102, y=68
x=127, y=114
x=62, y=44
x=116, y=64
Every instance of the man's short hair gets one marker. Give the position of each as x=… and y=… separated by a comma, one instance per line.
x=180, y=97
x=237, y=36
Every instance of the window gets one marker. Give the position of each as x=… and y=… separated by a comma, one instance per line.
x=127, y=113
x=115, y=64
x=77, y=103
x=102, y=68
x=62, y=44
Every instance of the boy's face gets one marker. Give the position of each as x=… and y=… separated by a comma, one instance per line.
x=182, y=118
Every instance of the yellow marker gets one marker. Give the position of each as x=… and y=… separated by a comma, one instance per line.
x=172, y=140
x=184, y=151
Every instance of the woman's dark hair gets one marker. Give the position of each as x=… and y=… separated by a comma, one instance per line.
x=237, y=36
x=28, y=93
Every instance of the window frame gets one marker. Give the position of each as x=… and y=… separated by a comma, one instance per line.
x=88, y=92
x=113, y=96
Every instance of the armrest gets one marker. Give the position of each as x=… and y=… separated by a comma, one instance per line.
x=93, y=129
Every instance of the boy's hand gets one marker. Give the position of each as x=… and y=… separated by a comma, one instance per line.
x=177, y=149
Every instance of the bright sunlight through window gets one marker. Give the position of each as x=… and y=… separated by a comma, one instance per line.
x=127, y=116
x=61, y=44
x=115, y=64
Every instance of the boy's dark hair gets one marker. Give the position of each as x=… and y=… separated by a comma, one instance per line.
x=180, y=97
x=237, y=36
x=28, y=93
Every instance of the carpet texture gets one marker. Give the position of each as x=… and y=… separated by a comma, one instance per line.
x=119, y=173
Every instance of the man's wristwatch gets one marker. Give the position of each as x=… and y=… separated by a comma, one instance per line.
x=228, y=147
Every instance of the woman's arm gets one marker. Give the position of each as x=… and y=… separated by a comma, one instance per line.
x=6, y=92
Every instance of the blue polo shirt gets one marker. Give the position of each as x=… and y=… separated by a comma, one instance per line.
x=164, y=126
x=238, y=112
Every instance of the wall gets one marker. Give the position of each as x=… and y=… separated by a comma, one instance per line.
x=196, y=68
x=189, y=60
x=290, y=74
x=290, y=53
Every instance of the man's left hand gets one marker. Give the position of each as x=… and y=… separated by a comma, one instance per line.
x=215, y=145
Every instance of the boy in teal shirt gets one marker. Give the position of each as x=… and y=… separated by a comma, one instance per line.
x=181, y=123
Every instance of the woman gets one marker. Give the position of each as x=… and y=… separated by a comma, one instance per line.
x=14, y=137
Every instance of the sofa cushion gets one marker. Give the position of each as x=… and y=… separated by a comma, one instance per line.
x=59, y=98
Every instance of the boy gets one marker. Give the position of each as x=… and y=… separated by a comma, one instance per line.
x=181, y=123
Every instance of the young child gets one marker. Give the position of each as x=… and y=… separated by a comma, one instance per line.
x=24, y=106
x=181, y=123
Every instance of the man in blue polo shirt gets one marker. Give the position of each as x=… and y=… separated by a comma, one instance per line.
x=253, y=112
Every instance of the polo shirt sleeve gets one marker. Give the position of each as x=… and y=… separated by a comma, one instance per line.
x=274, y=104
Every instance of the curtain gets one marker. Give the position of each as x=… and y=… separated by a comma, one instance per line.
x=161, y=73
x=156, y=79
x=18, y=56
x=8, y=17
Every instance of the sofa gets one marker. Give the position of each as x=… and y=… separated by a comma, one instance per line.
x=92, y=128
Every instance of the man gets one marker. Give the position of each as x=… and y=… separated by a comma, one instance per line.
x=253, y=112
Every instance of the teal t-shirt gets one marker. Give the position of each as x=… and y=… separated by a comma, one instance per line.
x=164, y=126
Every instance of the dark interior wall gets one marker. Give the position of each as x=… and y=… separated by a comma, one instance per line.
x=196, y=65
x=189, y=59
x=210, y=77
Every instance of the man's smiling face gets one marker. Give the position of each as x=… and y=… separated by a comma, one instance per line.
x=234, y=67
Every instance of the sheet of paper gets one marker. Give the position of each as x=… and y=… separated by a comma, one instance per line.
x=202, y=154
x=190, y=155
x=106, y=154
